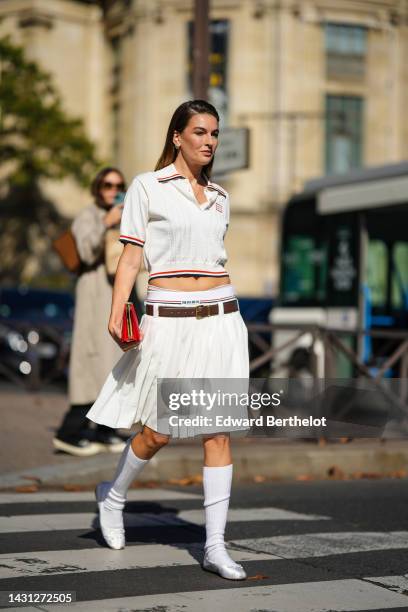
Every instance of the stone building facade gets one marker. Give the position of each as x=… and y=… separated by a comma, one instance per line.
x=321, y=85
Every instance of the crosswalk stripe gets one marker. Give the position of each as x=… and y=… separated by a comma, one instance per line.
x=91, y=559
x=341, y=595
x=323, y=544
x=180, y=553
x=72, y=496
x=89, y=568
x=85, y=520
x=255, y=514
x=398, y=584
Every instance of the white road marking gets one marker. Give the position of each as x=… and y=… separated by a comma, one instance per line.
x=256, y=514
x=73, y=496
x=399, y=584
x=85, y=520
x=323, y=596
x=105, y=559
x=273, y=548
x=323, y=544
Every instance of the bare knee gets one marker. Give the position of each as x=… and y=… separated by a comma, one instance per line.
x=153, y=439
x=218, y=441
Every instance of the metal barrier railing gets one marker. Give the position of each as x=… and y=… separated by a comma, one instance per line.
x=394, y=352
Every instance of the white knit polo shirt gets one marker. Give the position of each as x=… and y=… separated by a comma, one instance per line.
x=179, y=236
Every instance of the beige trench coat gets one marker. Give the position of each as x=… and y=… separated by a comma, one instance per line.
x=93, y=351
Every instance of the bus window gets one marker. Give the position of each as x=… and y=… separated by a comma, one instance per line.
x=304, y=265
x=377, y=271
x=399, y=296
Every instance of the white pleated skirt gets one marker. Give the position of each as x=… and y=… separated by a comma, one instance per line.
x=214, y=347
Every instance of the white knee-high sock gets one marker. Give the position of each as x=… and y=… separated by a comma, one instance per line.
x=129, y=466
x=217, y=491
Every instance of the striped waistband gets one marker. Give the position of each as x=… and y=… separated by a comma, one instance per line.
x=157, y=295
x=176, y=270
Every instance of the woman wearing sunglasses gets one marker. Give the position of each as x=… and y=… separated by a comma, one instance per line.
x=93, y=352
x=175, y=218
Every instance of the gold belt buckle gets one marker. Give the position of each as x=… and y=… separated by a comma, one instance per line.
x=199, y=311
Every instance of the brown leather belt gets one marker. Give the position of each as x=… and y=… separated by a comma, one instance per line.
x=199, y=312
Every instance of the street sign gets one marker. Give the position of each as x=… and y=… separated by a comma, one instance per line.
x=233, y=150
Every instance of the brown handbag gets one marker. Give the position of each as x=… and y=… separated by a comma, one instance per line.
x=66, y=248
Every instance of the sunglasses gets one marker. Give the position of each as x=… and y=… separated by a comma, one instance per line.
x=118, y=186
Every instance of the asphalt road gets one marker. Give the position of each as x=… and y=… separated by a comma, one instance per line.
x=306, y=546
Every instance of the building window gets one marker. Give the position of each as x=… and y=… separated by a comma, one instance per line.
x=346, y=48
x=218, y=93
x=344, y=133
x=115, y=91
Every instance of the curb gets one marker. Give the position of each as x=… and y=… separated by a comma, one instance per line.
x=257, y=460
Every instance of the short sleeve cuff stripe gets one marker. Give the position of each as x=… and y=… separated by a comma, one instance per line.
x=132, y=239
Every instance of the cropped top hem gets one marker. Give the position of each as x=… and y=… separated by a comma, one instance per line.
x=184, y=269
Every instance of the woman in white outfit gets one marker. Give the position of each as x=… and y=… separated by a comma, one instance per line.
x=176, y=218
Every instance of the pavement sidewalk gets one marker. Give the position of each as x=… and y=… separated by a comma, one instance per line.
x=254, y=460
x=29, y=421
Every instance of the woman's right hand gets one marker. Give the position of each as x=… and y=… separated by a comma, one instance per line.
x=125, y=278
x=114, y=216
x=115, y=330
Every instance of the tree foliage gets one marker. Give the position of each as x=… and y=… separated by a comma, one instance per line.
x=37, y=138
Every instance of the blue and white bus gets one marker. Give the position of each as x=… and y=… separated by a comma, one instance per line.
x=344, y=258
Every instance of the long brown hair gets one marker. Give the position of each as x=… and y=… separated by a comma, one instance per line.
x=178, y=122
x=98, y=180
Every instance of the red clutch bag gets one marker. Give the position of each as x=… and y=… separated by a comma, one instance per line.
x=130, y=324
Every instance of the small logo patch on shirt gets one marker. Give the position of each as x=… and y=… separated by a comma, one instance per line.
x=219, y=207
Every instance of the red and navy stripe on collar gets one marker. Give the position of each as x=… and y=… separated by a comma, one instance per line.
x=167, y=179
x=216, y=188
x=210, y=185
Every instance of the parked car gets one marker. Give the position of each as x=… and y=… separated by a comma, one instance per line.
x=35, y=334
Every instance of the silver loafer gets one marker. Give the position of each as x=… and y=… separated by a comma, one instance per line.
x=231, y=571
